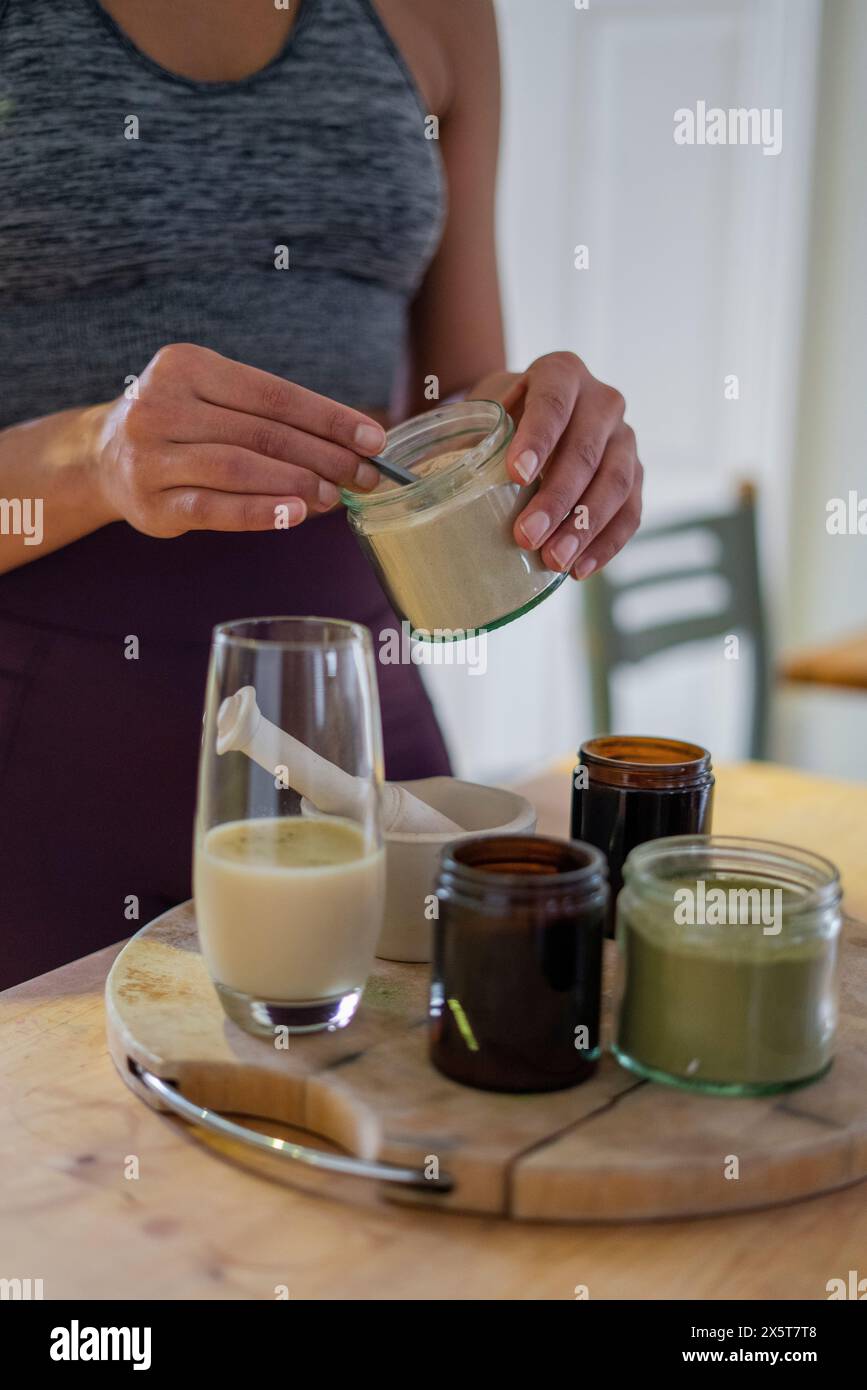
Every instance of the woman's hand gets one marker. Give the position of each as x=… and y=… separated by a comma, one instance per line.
x=211, y=444
x=570, y=428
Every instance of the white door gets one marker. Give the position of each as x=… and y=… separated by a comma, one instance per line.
x=696, y=264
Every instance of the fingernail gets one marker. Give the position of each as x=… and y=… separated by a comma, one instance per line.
x=370, y=438
x=586, y=567
x=564, y=551
x=535, y=527
x=296, y=510
x=526, y=465
x=367, y=476
x=328, y=493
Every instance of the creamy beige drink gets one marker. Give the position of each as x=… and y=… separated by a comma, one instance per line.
x=288, y=908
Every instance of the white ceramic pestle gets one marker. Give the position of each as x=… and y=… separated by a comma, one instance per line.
x=241, y=726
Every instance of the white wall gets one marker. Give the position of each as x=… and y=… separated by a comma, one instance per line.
x=698, y=263
x=828, y=730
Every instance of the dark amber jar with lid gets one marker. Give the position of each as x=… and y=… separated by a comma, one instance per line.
x=629, y=789
x=517, y=962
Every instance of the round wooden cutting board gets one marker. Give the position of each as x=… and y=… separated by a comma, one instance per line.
x=614, y=1148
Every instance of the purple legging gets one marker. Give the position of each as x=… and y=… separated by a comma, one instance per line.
x=98, y=754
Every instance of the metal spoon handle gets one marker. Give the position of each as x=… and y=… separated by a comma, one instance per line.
x=394, y=471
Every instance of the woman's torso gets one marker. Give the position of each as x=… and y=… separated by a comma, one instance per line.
x=111, y=246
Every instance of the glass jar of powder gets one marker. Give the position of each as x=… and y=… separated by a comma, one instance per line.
x=728, y=952
x=443, y=546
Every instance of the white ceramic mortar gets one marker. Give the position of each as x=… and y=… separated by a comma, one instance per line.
x=412, y=858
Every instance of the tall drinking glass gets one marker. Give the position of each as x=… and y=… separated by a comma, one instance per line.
x=289, y=864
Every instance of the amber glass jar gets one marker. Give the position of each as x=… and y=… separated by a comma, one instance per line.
x=517, y=962
x=627, y=790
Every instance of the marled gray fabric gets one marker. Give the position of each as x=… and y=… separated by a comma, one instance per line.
x=111, y=247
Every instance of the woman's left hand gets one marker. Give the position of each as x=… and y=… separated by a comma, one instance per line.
x=570, y=428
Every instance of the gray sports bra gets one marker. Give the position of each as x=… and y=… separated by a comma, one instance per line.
x=111, y=246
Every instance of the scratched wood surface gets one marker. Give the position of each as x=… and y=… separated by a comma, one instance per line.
x=615, y=1147
x=201, y=1218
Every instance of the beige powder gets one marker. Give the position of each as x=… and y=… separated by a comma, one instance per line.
x=456, y=564
x=436, y=464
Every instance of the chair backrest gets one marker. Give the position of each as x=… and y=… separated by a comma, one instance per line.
x=731, y=559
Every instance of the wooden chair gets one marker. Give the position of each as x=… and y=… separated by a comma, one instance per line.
x=741, y=611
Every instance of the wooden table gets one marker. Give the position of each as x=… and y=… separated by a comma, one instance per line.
x=842, y=663
x=101, y=1197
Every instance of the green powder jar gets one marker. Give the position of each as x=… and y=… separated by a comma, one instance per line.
x=727, y=964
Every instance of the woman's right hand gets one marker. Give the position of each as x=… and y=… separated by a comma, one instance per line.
x=208, y=444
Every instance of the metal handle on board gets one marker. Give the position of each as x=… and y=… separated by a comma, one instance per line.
x=299, y=1153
